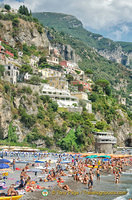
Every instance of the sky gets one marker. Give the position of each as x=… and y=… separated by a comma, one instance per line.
x=111, y=18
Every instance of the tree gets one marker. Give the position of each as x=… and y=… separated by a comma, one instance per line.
x=53, y=105
x=24, y=10
x=12, y=137
x=103, y=83
x=36, y=80
x=89, y=71
x=107, y=90
x=100, y=125
x=69, y=142
x=69, y=77
x=2, y=69
x=26, y=68
x=15, y=22
x=42, y=62
x=7, y=7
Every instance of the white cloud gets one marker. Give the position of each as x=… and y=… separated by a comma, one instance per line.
x=120, y=32
x=95, y=14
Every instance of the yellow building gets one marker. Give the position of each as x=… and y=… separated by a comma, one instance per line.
x=47, y=72
x=80, y=95
x=58, y=82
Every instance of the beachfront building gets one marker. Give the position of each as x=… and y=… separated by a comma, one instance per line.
x=62, y=97
x=104, y=142
x=11, y=73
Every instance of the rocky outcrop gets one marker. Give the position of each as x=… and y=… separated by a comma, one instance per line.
x=121, y=131
x=27, y=32
x=5, y=116
x=67, y=52
x=117, y=55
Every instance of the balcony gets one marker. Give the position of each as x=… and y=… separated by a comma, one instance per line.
x=106, y=139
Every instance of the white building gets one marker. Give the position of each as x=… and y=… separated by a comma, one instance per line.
x=63, y=97
x=27, y=76
x=52, y=60
x=11, y=74
x=83, y=96
x=104, y=142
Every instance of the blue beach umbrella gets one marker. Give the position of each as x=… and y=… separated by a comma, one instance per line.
x=4, y=161
x=39, y=161
x=3, y=166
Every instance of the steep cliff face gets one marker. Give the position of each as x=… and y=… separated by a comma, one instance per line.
x=67, y=52
x=26, y=32
x=5, y=116
x=117, y=55
x=10, y=112
x=120, y=128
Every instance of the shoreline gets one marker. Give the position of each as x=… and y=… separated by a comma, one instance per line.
x=80, y=191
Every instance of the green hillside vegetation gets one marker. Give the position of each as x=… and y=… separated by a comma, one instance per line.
x=101, y=67
x=80, y=135
x=72, y=26
x=127, y=46
x=69, y=131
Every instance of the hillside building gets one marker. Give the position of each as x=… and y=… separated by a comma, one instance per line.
x=83, y=96
x=58, y=82
x=62, y=97
x=52, y=60
x=104, y=142
x=82, y=86
x=11, y=74
x=48, y=72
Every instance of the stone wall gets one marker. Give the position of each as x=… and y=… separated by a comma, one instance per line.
x=103, y=148
x=35, y=88
x=75, y=109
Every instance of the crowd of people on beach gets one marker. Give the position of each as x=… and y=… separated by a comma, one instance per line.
x=82, y=170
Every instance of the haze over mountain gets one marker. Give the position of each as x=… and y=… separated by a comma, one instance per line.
x=110, y=18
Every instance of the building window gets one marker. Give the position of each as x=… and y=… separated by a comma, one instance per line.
x=9, y=67
x=8, y=73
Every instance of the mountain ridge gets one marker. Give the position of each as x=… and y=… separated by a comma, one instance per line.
x=74, y=27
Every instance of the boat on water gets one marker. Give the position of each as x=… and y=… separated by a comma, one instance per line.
x=11, y=197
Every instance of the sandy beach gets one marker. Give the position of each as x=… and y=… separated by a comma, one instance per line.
x=102, y=190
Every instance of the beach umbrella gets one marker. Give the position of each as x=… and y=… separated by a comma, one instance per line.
x=92, y=156
x=105, y=159
x=4, y=166
x=39, y=161
x=4, y=161
x=104, y=156
x=65, y=162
